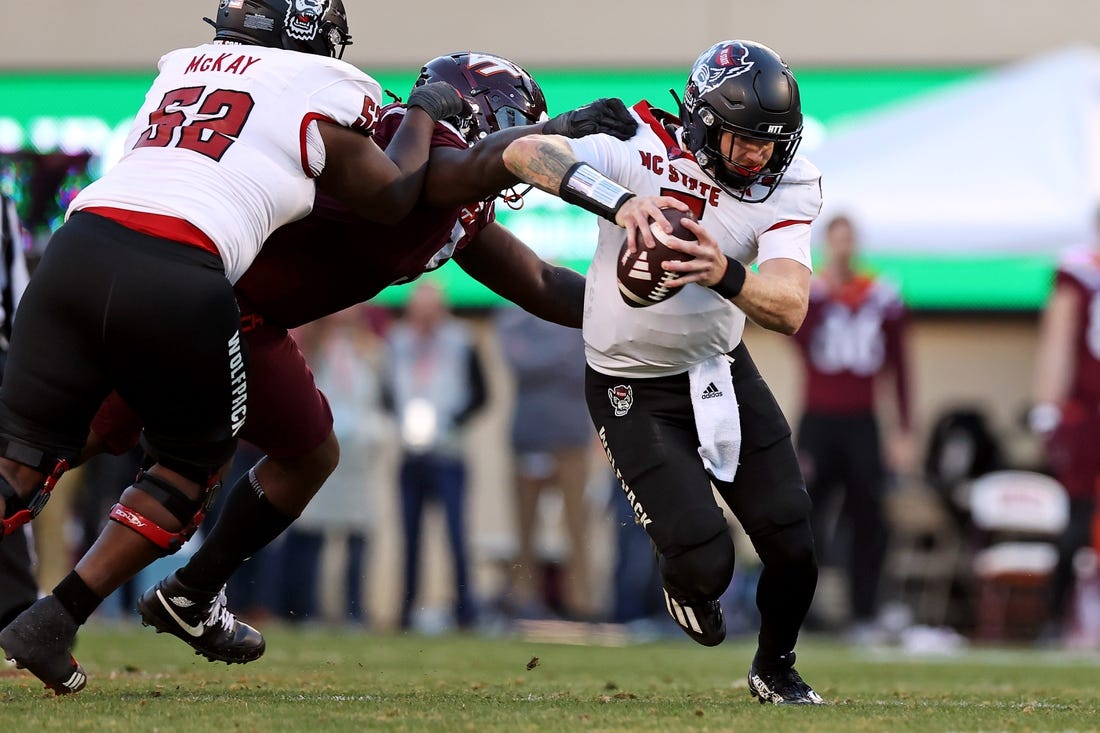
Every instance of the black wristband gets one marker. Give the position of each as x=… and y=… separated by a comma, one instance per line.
x=591, y=190
x=731, y=283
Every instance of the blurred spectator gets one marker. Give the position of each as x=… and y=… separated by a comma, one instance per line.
x=433, y=383
x=1067, y=401
x=18, y=588
x=341, y=347
x=854, y=334
x=552, y=439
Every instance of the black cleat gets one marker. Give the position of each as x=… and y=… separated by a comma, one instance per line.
x=40, y=640
x=702, y=621
x=202, y=620
x=781, y=684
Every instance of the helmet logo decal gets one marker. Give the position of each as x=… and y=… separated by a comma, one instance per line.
x=303, y=18
x=722, y=61
x=486, y=65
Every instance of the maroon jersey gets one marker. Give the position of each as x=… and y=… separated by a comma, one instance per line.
x=1071, y=448
x=1079, y=270
x=850, y=335
x=332, y=259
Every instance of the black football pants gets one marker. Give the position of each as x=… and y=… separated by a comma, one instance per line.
x=654, y=449
x=156, y=320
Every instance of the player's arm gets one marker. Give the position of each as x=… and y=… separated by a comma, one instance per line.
x=776, y=296
x=384, y=186
x=1054, y=358
x=457, y=176
x=547, y=162
x=499, y=260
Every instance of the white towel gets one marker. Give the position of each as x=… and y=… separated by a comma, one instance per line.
x=717, y=418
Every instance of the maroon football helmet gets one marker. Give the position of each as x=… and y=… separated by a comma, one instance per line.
x=501, y=94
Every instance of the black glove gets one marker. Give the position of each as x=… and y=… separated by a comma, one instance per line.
x=608, y=116
x=439, y=99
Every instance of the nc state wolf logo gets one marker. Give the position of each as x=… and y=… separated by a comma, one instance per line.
x=622, y=397
x=720, y=62
x=303, y=18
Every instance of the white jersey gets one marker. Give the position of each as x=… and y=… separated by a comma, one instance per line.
x=227, y=141
x=698, y=323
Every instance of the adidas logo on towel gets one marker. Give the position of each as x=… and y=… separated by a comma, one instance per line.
x=711, y=391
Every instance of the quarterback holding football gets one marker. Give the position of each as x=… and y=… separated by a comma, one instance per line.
x=672, y=390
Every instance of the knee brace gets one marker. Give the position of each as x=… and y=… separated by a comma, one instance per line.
x=19, y=510
x=702, y=572
x=189, y=511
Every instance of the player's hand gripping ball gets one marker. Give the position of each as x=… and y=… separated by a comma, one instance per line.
x=641, y=275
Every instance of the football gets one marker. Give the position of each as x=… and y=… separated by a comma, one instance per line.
x=641, y=275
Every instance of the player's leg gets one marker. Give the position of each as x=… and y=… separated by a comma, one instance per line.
x=157, y=291
x=647, y=429
x=821, y=461
x=290, y=420
x=1075, y=461
x=18, y=587
x=55, y=367
x=864, y=486
x=768, y=497
x=192, y=402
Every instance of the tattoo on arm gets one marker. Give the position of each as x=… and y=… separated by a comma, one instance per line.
x=546, y=167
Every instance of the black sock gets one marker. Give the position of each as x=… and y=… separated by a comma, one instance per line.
x=248, y=522
x=76, y=597
x=785, y=589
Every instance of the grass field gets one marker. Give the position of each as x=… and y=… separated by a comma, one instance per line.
x=330, y=681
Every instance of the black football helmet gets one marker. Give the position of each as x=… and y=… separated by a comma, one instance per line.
x=744, y=88
x=309, y=26
x=500, y=93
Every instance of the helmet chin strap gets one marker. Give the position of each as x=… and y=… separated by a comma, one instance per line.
x=514, y=198
x=679, y=103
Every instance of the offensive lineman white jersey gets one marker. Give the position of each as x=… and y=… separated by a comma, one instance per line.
x=669, y=337
x=227, y=141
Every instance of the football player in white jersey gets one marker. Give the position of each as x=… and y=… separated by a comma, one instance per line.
x=672, y=390
x=134, y=292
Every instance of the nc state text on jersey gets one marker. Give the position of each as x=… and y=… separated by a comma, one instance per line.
x=238, y=65
x=660, y=166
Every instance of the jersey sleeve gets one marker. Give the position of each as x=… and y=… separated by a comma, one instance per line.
x=606, y=154
x=346, y=96
x=389, y=120
x=788, y=236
